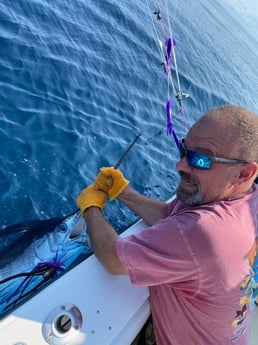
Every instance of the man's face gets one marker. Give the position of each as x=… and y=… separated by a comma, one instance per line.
x=203, y=186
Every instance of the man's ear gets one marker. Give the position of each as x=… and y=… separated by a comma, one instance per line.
x=248, y=171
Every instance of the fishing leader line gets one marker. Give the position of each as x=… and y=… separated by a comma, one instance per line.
x=166, y=48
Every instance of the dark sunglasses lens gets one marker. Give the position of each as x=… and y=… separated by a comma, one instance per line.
x=197, y=160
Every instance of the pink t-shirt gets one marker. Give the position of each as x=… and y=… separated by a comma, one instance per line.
x=197, y=263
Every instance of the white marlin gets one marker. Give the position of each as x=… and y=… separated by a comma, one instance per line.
x=35, y=252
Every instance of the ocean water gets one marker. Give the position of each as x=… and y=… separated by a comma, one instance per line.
x=79, y=80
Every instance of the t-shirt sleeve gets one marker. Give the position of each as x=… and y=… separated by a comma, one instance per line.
x=158, y=255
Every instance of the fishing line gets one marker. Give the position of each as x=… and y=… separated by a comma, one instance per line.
x=46, y=270
x=173, y=50
x=159, y=42
x=167, y=53
x=18, y=275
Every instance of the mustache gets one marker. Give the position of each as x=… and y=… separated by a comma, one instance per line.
x=188, y=177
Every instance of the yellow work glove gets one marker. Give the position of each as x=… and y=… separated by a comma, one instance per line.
x=91, y=197
x=111, y=181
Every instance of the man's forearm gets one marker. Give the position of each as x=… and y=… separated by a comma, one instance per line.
x=103, y=239
x=148, y=209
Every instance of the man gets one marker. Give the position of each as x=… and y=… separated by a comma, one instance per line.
x=199, y=254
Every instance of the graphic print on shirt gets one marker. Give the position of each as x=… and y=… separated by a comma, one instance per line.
x=249, y=289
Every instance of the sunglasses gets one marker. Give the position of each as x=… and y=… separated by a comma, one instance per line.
x=201, y=161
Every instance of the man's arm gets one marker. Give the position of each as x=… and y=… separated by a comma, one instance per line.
x=103, y=239
x=149, y=210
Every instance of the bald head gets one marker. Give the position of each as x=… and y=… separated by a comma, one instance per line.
x=238, y=124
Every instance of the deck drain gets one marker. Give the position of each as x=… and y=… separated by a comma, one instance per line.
x=62, y=325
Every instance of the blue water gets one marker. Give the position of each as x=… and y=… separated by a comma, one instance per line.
x=79, y=79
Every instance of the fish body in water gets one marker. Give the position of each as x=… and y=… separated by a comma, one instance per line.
x=34, y=252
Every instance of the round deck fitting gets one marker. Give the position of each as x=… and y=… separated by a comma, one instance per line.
x=62, y=325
